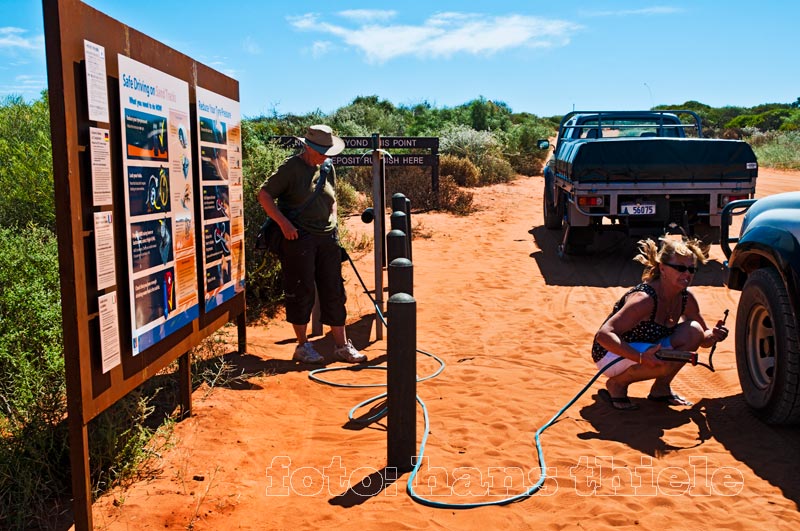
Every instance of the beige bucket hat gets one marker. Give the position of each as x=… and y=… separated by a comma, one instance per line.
x=321, y=139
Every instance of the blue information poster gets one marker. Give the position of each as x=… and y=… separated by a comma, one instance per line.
x=159, y=204
x=220, y=156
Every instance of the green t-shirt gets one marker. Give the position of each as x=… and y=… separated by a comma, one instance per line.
x=292, y=183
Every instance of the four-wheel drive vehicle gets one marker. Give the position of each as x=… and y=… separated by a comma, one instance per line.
x=765, y=266
x=641, y=171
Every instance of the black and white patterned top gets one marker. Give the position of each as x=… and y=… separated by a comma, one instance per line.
x=646, y=331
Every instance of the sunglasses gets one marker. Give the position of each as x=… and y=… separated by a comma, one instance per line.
x=681, y=268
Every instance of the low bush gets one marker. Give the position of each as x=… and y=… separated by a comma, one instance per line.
x=34, y=441
x=495, y=170
x=776, y=149
x=464, y=172
x=452, y=198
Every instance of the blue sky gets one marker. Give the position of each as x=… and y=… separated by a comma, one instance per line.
x=539, y=57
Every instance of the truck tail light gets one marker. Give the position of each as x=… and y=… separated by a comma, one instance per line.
x=727, y=198
x=591, y=201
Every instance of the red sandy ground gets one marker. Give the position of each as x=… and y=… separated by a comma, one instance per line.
x=514, y=324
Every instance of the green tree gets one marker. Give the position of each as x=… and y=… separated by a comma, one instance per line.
x=367, y=115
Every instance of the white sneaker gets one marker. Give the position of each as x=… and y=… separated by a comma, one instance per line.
x=349, y=353
x=305, y=353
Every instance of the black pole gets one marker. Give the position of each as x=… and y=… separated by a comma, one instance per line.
x=401, y=276
x=408, y=227
x=396, y=245
x=398, y=202
x=397, y=221
x=401, y=382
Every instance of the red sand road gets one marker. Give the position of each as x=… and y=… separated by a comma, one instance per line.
x=514, y=324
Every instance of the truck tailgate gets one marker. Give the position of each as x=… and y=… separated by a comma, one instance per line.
x=657, y=160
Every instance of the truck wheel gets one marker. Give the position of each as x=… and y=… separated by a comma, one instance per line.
x=578, y=240
x=767, y=349
x=553, y=211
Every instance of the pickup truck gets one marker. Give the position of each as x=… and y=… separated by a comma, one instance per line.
x=640, y=172
x=765, y=266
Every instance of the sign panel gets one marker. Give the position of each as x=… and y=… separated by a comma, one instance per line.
x=403, y=159
x=222, y=212
x=109, y=331
x=100, y=152
x=365, y=142
x=157, y=171
x=104, y=249
x=96, y=87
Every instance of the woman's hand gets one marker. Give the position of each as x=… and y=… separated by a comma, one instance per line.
x=649, y=356
x=719, y=332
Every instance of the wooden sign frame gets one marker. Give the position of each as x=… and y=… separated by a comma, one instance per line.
x=68, y=23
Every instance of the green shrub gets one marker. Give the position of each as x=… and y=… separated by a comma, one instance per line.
x=259, y=159
x=465, y=142
x=482, y=148
x=522, y=145
x=33, y=439
x=348, y=200
x=777, y=149
x=452, y=198
x=26, y=164
x=464, y=172
x=495, y=170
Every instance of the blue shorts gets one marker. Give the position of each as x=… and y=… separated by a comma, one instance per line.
x=622, y=366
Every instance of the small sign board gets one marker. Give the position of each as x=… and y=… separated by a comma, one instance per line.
x=404, y=159
x=365, y=142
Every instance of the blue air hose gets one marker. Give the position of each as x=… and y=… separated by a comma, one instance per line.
x=410, y=484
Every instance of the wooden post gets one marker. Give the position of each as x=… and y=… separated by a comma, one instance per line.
x=435, y=175
x=378, y=212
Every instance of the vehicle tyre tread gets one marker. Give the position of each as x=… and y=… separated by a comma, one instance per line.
x=780, y=402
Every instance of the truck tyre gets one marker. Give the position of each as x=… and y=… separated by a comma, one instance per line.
x=767, y=349
x=553, y=209
x=578, y=239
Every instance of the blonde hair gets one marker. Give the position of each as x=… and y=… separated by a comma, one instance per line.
x=651, y=255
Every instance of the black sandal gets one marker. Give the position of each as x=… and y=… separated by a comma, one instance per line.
x=622, y=403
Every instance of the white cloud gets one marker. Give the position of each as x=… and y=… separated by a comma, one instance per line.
x=656, y=10
x=24, y=85
x=250, y=46
x=445, y=34
x=307, y=21
x=14, y=39
x=372, y=15
x=320, y=48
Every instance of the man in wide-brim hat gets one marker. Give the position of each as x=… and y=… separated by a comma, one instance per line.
x=310, y=255
x=321, y=139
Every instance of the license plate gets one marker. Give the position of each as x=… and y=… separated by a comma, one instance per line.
x=639, y=209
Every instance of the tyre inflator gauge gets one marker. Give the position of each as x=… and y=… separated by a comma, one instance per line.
x=677, y=355
x=690, y=357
